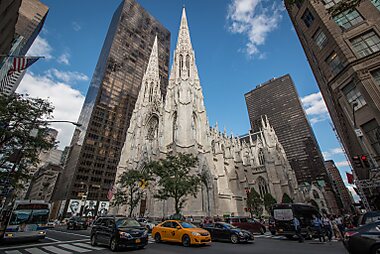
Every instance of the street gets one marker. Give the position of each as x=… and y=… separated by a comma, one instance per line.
x=62, y=241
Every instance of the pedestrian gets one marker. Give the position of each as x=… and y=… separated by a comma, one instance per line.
x=297, y=229
x=317, y=225
x=335, y=227
x=327, y=226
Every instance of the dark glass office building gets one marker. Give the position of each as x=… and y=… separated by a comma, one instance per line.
x=96, y=146
x=279, y=100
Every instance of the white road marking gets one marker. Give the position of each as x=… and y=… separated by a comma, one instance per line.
x=56, y=250
x=36, y=251
x=13, y=252
x=69, y=233
x=52, y=239
x=89, y=246
x=74, y=248
x=42, y=244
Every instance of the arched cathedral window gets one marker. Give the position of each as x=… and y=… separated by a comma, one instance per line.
x=180, y=64
x=175, y=126
x=315, y=194
x=261, y=157
x=194, y=126
x=263, y=187
x=188, y=64
x=152, y=132
x=151, y=92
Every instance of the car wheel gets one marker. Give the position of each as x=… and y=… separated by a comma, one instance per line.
x=157, y=238
x=375, y=250
x=114, y=245
x=273, y=232
x=262, y=230
x=234, y=238
x=93, y=240
x=186, y=241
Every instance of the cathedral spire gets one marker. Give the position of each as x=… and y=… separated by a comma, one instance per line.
x=184, y=41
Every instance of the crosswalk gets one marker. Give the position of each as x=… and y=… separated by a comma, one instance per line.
x=63, y=248
x=269, y=235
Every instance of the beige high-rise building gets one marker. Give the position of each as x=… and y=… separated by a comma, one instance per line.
x=344, y=54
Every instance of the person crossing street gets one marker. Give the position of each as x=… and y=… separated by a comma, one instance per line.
x=297, y=229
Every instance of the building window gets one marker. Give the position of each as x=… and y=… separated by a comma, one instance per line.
x=376, y=3
x=353, y=94
x=330, y=3
x=372, y=132
x=263, y=187
x=299, y=3
x=376, y=76
x=308, y=18
x=348, y=18
x=320, y=39
x=366, y=43
x=261, y=157
x=335, y=63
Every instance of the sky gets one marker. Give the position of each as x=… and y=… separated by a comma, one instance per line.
x=238, y=44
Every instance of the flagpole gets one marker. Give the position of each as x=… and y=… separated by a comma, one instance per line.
x=21, y=56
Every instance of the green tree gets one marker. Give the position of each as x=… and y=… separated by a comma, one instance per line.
x=269, y=200
x=130, y=189
x=254, y=203
x=23, y=135
x=286, y=199
x=175, y=179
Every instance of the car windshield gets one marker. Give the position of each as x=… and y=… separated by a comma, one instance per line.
x=29, y=217
x=229, y=226
x=122, y=223
x=187, y=225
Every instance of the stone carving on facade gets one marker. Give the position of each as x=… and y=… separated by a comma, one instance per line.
x=179, y=124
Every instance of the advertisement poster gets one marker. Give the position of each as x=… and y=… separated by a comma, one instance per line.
x=103, y=208
x=89, y=208
x=74, y=207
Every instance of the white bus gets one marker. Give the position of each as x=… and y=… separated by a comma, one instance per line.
x=27, y=220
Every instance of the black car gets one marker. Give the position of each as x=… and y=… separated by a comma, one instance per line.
x=117, y=232
x=364, y=239
x=368, y=217
x=77, y=223
x=226, y=232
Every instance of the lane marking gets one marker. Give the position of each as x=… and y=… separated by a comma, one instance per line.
x=52, y=239
x=36, y=251
x=13, y=252
x=74, y=248
x=69, y=233
x=56, y=250
x=89, y=246
x=42, y=244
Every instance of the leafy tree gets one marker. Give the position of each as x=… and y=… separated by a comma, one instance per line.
x=23, y=135
x=254, y=203
x=269, y=200
x=175, y=179
x=130, y=189
x=286, y=199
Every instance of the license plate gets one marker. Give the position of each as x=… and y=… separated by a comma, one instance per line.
x=138, y=241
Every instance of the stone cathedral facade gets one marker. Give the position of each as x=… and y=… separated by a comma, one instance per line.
x=178, y=123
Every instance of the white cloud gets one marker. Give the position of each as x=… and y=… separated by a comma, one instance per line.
x=353, y=193
x=315, y=107
x=66, y=100
x=342, y=164
x=64, y=59
x=66, y=76
x=76, y=26
x=331, y=152
x=254, y=20
x=40, y=47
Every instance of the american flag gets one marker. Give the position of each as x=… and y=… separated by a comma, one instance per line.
x=110, y=193
x=20, y=63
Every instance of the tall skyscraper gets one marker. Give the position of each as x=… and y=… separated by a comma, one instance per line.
x=345, y=198
x=95, y=148
x=278, y=99
x=31, y=18
x=343, y=50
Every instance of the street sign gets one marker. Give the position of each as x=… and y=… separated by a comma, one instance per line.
x=358, y=132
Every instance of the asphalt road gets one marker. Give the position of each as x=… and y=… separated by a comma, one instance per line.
x=62, y=241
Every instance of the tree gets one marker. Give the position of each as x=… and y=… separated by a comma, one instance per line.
x=269, y=200
x=286, y=199
x=130, y=189
x=254, y=203
x=175, y=179
x=23, y=135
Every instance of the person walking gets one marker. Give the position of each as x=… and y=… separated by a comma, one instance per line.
x=317, y=225
x=327, y=226
x=297, y=229
x=335, y=227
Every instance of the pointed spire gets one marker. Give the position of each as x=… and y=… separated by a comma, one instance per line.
x=184, y=41
x=152, y=71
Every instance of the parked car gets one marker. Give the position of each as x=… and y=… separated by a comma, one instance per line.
x=222, y=231
x=146, y=223
x=364, y=239
x=181, y=232
x=368, y=217
x=250, y=224
x=118, y=232
x=77, y=223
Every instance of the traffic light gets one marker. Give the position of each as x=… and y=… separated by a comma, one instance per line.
x=357, y=162
x=365, y=161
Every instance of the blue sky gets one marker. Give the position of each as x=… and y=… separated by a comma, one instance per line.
x=238, y=45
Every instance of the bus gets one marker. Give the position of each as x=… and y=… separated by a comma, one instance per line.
x=283, y=215
x=26, y=220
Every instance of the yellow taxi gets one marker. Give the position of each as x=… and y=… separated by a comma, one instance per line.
x=181, y=232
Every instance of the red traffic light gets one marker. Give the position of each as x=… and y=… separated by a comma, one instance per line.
x=364, y=158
